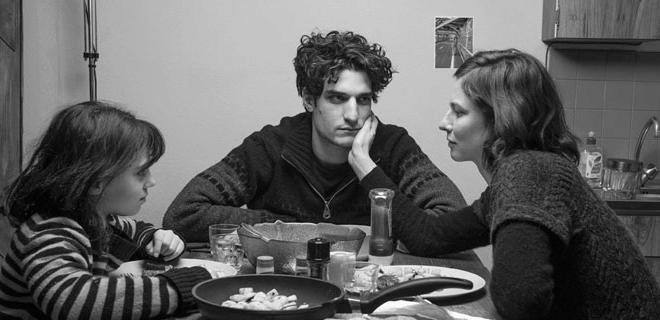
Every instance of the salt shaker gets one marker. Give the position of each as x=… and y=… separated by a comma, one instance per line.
x=265, y=265
x=318, y=257
x=381, y=243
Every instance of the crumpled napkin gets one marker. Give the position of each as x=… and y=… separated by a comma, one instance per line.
x=428, y=310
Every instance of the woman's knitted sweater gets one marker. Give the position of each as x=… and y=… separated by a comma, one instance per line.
x=596, y=271
x=51, y=272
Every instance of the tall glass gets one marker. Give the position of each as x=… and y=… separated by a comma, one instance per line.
x=225, y=244
x=381, y=242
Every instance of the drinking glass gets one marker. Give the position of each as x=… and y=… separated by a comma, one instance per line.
x=225, y=244
x=339, y=266
x=361, y=278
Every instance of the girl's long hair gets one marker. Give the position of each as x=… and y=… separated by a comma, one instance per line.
x=521, y=105
x=85, y=144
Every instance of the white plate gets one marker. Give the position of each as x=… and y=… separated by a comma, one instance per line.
x=477, y=281
x=136, y=267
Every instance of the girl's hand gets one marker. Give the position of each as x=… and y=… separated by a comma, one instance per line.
x=358, y=157
x=166, y=244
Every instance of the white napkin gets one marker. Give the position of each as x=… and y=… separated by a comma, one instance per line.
x=421, y=309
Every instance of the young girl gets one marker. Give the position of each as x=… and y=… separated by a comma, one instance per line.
x=71, y=204
x=559, y=252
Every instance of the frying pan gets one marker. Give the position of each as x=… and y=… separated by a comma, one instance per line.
x=324, y=298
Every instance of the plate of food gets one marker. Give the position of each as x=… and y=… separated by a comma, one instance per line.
x=152, y=268
x=391, y=275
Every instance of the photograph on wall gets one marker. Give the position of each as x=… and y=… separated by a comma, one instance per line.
x=453, y=41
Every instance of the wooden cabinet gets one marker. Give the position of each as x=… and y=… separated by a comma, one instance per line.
x=601, y=21
x=645, y=230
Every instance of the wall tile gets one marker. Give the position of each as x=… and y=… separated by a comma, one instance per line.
x=647, y=67
x=588, y=120
x=614, y=106
x=620, y=65
x=563, y=63
x=590, y=94
x=592, y=65
x=646, y=96
x=567, y=89
x=618, y=95
x=616, y=124
x=648, y=153
x=615, y=148
x=569, y=116
x=639, y=119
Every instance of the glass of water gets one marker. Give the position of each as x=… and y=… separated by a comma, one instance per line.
x=360, y=278
x=225, y=244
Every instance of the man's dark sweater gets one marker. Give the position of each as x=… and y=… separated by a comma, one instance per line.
x=274, y=172
x=558, y=251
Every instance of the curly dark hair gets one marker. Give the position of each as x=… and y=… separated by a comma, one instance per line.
x=84, y=144
x=519, y=100
x=321, y=58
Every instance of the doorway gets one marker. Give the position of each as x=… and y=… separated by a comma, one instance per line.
x=11, y=127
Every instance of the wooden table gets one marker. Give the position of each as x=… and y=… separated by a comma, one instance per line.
x=476, y=304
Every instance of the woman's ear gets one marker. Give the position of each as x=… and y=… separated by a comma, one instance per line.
x=97, y=188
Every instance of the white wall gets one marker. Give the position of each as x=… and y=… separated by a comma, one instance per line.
x=208, y=73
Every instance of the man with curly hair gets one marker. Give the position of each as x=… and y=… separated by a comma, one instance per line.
x=319, y=165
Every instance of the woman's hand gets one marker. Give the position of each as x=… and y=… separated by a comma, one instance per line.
x=166, y=244
x=358, y=157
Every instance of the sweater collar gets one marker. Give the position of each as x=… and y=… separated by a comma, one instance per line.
x=298, y=146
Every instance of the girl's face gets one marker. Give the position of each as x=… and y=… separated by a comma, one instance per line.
x=125, y=194
x=465, y=126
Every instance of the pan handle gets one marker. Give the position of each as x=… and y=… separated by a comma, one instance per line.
x=411, y=288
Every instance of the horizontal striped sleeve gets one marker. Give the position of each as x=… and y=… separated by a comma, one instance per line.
x=46, y=273
x=141, y=232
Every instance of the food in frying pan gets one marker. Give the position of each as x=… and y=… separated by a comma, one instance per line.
x=151, y=269
x=272, y=300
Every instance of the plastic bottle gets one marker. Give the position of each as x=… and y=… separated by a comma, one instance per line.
x=381, y=242
x=591, y=162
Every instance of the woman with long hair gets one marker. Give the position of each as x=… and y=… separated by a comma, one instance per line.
x=559, y=252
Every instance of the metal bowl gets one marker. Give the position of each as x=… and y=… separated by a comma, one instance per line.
x=289, y=240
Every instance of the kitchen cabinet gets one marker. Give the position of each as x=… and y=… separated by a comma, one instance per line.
x=601, y=21
x=642, y=218
x=646, y=232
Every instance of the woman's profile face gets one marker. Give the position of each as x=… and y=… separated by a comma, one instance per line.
x=466, y=127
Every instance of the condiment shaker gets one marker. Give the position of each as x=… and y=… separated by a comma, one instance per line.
x=265, y=265
x=318, y=257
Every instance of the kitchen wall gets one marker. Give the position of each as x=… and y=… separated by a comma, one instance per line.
x=612, y=93
x=208, y=72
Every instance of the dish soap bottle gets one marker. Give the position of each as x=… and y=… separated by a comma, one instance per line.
x=591, y=162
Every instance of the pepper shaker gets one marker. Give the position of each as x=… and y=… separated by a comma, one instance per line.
x=318, y=257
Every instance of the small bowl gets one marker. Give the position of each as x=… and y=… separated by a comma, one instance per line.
x=289, y=240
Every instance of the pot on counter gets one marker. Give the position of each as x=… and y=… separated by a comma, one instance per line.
x=324, y=298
